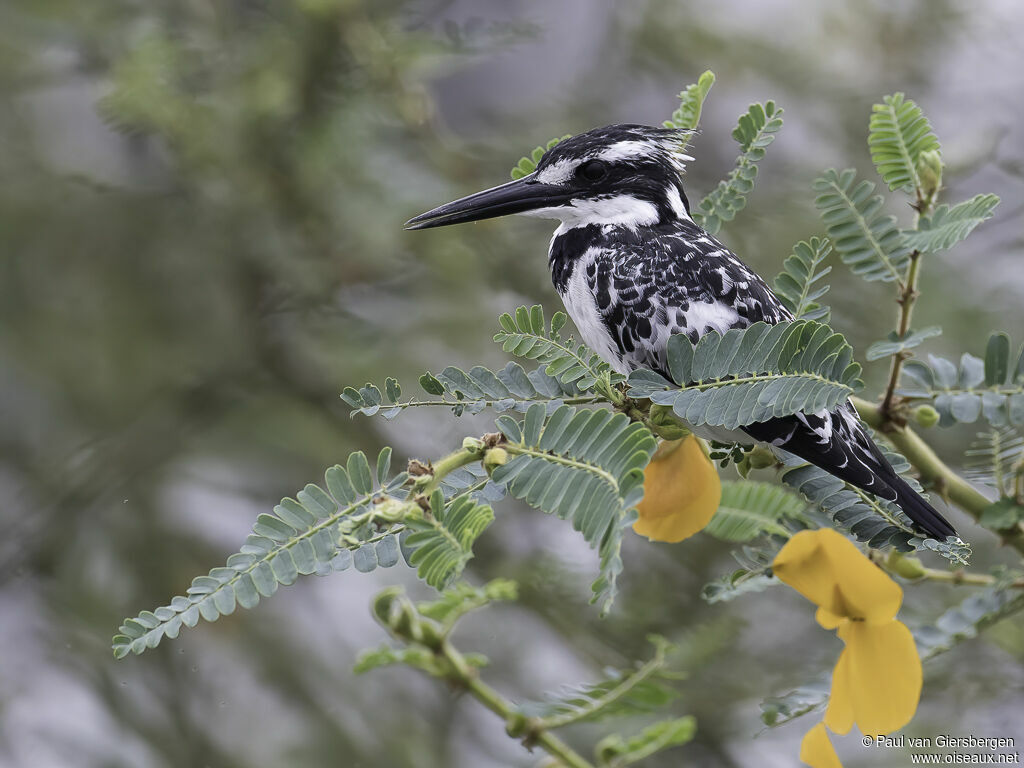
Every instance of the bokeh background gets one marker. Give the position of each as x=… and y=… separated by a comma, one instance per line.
x=201, y=245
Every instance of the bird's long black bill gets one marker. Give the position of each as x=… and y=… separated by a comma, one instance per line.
x=518, y=196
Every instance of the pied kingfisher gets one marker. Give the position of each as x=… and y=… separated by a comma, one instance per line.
x=632, y=268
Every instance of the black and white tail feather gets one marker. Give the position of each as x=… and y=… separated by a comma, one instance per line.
x=632, y=269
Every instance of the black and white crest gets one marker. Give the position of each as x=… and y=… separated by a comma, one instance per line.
x=633, y=269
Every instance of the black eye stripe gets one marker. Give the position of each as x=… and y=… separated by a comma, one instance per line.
x=592, y=170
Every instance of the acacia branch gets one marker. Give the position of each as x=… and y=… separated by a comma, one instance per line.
x=913, y=569
x=934, y=472
x=908, y=294
x=433, y=652
x=464, y=675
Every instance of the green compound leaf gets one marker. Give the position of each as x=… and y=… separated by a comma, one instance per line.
x=895, y=343
x=736, y=584
x=777, y=710
x=354, y=521
x=749, y=509
x=317, y=532
x=992, y=388
x=1003, y=515
x=442, y=542
x=431, y=619
x=528, y=164
x=585, y=467
x=867, y=240
x=964, y=621
x=461, y=598
x=470, y=392
x=948, y=226
x=526, y=334
x=691, y=99
x=753, y=374
x=755, y=132
x=641, y=690
x=995, y=459
x=614, y=751
x=898, y=134
x=799, y=284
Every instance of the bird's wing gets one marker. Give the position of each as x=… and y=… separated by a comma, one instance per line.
x=687, y=282
x=838, y=443
x=680, y=281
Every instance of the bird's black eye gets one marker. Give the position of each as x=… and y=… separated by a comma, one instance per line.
x=592, y=170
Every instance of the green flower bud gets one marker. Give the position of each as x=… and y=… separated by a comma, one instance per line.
x=472, y=444
x=929, y=170
x=743, y=467
x=429, y=634
x=907, y=567
x=926, y=416
x=762, y=458
x=383, y=603
x=495, y=457
x=517, y=725
x=392, y=510
x=501, y=589
x=666, y=424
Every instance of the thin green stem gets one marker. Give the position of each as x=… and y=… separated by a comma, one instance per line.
x=913, y=569
x=555, y=459
x=580, y=400
x=614, y=694
x=907, y=299
x=718, y=383
x=466, y=676
x=660, y=419
x=393, y=531
x=960, y=576
x=449, y=464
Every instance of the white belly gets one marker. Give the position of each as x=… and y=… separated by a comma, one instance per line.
x=582, y=308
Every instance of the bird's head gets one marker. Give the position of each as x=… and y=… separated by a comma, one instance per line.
x=619, y=175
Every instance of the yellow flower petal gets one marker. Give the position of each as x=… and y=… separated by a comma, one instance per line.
x=832, y=573
x=827, y=619
x=883, y=675
x=839, y=716
x=816, y=749
x=681, y=491
x=804, y=565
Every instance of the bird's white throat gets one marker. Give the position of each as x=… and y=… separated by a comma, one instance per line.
x=613, y=211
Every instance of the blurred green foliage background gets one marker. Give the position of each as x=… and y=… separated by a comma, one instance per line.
x=201, y=245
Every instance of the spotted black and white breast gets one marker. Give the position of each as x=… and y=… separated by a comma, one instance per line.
x=628, y=296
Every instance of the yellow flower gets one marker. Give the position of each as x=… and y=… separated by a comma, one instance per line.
x=876, y=683
x=681, y=491
x=816, y=750
x=831, y=572
x=877, y=680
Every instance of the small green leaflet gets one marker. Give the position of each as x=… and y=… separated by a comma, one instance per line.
x=691, y=99
x=894, y=344
x=528, y=165
x=867, y=240
x=948, y=226
x=898, y=135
